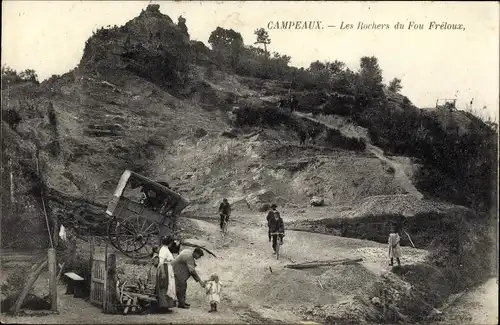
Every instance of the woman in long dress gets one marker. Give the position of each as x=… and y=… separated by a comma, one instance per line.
x=165, y=280
x=394, y=246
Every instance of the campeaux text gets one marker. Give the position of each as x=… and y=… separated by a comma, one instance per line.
x=288, y=24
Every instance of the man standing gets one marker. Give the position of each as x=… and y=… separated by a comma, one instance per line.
x=294, y=103
x=224, y=211
x=302, y=137
x=270, y=215
x=184, y=267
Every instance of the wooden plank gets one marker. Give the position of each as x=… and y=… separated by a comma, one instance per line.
x=140, y=296
x=110, y=285
x=312, y=265
x=31, y=280
x=52, y=279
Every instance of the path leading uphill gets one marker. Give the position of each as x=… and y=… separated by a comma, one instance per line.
x=399, y=169
x=478, y=306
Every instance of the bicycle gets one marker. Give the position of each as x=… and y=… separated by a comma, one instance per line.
x=224, y=225
x=279, y=242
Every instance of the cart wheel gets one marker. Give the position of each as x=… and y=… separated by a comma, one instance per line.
x=136, y=236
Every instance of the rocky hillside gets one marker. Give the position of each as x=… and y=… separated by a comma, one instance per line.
x=145, y=97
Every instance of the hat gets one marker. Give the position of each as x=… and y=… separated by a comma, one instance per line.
x=274, y=206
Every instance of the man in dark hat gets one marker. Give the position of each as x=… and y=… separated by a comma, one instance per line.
x=276, y=228
x=224, y=212
x=270, y=216
x=184, y=266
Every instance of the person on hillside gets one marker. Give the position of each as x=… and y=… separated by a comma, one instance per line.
x=276, y=229
x=293, y=102
x=213, y=289
x=165, y=277
x=184, y=267
x=394, y=246
x=312, y=135
x=225, y=212
x=302, y=137
x=270, y=215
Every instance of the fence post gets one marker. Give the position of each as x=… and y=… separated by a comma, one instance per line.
x=91, y=261
x=110, y=290
x=384, y=302
x=52, y=279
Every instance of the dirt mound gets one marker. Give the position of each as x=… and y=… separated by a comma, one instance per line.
x=343, y=278
x=290, y=288
x=406, y=205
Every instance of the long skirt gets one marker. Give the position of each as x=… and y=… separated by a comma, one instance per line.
x=165, y=286
x=394, y=252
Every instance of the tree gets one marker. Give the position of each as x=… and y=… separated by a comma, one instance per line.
x=10, y=76
x=395, y=85
x=224, y=38
x=335, y=67
x=29, y=75
x=370, y=78
x=316, y=67
x=262, y=38
x=226, y=43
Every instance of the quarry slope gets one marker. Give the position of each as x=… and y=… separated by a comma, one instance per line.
x=116, y=111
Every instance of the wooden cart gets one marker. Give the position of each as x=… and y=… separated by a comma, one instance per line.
x=136, y=226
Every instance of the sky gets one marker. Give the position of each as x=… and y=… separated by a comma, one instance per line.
x=49, y=36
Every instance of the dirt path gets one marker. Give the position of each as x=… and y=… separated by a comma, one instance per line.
x=478, y=306
x=399, y=170
x=248, y=269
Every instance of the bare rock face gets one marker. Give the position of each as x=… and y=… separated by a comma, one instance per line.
x=261, y=197
x=151, y=46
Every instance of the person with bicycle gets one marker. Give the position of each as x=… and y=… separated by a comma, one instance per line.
x=276, y=228
x=270, y=215
x=225, y=212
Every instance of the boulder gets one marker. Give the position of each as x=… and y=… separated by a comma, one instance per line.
x=317, y=201
x=264, y=207
x=229, y=134
x=200, y=133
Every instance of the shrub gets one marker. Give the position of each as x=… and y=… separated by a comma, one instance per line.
x=12, y=117
x=15, y=282
x=52, y=115
x=54, y=147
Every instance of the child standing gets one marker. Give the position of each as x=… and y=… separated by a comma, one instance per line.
x=394, y=247
x=213, y=291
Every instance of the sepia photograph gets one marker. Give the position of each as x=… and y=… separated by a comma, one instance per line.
x=249, y=162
